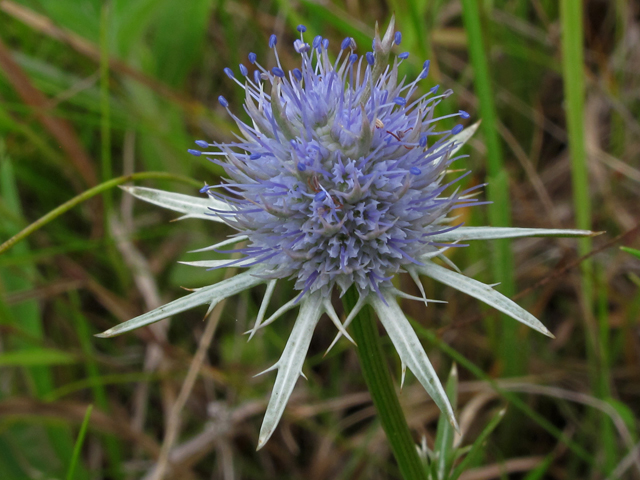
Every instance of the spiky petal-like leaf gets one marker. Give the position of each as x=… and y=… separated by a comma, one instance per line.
x=484, y=293
x=410, y=349
x=192, y=207
x=208, y=295
x=290, y=363
x=493, y=233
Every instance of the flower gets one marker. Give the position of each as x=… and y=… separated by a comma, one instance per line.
x=338, y=181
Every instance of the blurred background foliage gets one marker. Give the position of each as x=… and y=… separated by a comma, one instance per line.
x=93, y=90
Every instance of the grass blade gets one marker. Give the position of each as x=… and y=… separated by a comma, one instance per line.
x=92, y=192
x=511, y=355
x=79, y=441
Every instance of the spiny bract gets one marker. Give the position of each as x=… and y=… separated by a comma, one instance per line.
x=337, y=180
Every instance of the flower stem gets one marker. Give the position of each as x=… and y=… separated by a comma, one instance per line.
x=378, y=379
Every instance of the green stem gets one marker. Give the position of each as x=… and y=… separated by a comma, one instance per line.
x=92, y=192
x=378, y=379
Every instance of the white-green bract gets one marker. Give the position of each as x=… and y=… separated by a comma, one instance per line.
x=337, y=181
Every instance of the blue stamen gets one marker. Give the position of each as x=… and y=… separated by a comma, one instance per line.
x=223, y=101
x=370, y=58
x=195, y=153
x=403, y=55
x=397, y=39
x=277, y=72
x=272, y=41
x=253, y=57
x=202, y=143
x=425, y=70
x=229, y=72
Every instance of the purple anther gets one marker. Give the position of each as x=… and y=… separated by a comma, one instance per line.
x=253, y=57
x=464, y=114
x=345, y=43
x=301, y=28
x=205, y=189
x=202, y=143
x=415, y=170
x=434, y=89
x=370, y=58
x=317, y=41
x=255, y=156
x=423, y=140
x=297, y=73
x=243, y=70
x=320, y=196
x=272, y=41
x=223, y=101
x=397, y=38
x=301, y=166
x=325, y=43
x=353, y=57
x=195, y=153
x=400, y=101
x=228, y=72
x=457, y=129
x=425, y=69
x=403, y=55
x=278, y=72
x=256, y=77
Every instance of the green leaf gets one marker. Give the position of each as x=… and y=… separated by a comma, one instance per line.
x=179, y=35
x=29, y=357
x=477, y=445
x=632, y=251
x=539, y=472
x=444, y=433
x=627, y=415
x=79, y=441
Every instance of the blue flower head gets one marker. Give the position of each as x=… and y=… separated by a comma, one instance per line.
x=337, y=180
x=331, y=183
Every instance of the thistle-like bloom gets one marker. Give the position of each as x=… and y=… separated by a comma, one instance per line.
x=338, y=181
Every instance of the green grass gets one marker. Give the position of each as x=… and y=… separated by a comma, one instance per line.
x=140, y=84
x=511, y=354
